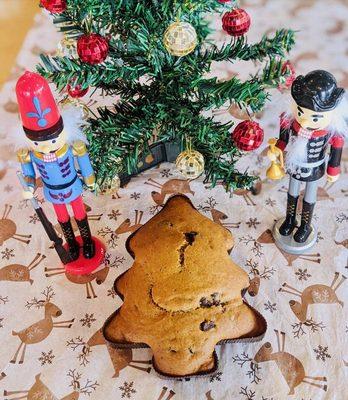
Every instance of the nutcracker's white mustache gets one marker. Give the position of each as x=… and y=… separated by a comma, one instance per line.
x=296, y=153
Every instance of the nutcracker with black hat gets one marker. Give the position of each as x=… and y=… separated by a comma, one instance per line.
x=55, y=146
x=312, y=138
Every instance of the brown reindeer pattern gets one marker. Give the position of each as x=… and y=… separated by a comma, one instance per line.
x=40, y=391
x=304, y=298
x=127, y=226
x=8, y=228
x=120, y=358
x=313, y=294
x=166, y=394
x=170, y=187
x=217, y=216
x=20, y=273
x=39, y=331
x=98, y=276
x=290, y=367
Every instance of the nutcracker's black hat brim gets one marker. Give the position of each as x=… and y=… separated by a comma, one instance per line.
x=45, y=134
x=307, y=99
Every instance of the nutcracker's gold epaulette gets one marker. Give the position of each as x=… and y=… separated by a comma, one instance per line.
x=62, y=150
x=89, y=180
x=79, y=148
x=23, y=156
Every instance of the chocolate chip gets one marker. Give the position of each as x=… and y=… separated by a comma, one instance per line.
x=191, y=351
x=206, y=325
x=205, y=303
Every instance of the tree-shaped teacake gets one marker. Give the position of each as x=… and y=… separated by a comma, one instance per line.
x=183, y=294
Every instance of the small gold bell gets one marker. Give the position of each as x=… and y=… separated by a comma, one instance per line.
x=276, y=169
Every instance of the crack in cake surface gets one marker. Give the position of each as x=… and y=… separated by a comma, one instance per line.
x=217, y=304
x=189, y=240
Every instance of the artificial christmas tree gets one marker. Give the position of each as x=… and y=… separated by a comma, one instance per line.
x=160, y=84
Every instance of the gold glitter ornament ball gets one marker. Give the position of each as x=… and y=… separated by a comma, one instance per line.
x=109, y=186
x=190, y=163
x=67, y=48
x=180, y=38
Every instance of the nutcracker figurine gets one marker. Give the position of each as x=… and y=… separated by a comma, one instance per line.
x=52, y=151
x=315, y=124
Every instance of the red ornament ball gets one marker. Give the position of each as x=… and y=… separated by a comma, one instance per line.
x=248, y=135
x=54, y=6
x=236, y=22
x=76, y=91
x=92, y=48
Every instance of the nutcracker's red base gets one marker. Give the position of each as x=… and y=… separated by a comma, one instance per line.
x=85, y=266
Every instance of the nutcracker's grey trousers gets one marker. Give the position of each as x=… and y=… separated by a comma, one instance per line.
x=310, y=191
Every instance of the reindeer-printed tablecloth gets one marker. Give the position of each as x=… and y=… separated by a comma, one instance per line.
x=50, y=321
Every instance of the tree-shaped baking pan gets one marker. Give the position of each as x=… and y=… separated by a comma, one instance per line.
x=183, y=293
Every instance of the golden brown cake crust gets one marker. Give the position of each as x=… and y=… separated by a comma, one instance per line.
x=183, y=293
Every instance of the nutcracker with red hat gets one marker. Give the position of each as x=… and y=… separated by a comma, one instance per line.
x=312, y=138
x=55, y=145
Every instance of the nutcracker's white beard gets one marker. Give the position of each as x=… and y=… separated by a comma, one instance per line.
x=74, y=124
x=296, y=153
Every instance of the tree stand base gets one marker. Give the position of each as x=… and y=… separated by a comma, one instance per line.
x=85, y=266
x=288, y=244
x=158, y=153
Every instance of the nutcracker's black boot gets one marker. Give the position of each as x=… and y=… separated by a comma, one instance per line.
x=68, y=232
x=88, y=243
x=289, y=224
x=305, y=228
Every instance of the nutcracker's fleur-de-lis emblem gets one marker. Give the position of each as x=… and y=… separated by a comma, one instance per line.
x=39, y=114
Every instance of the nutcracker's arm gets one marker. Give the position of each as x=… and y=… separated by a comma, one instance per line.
x=24, y=157
x=333, y=166
x=284, y=133
x=81, y=154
